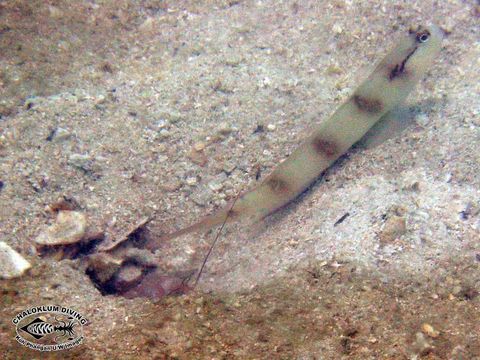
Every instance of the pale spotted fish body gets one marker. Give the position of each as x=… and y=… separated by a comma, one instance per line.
x=386, y=87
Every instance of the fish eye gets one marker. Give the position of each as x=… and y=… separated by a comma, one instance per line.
x=423, y=36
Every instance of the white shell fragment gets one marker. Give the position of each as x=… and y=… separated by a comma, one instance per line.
x=68, y=228
x=12, y=264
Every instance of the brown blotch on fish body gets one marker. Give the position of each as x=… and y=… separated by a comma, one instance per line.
x=368, y=105
x=399, y=70
x=325, y=147
x=278, y=185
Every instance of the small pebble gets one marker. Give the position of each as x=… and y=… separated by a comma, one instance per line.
x=103, y=266
x=215, y=186
x=199, y=146
x=12, y=264
x=29, y=103
x=191, y=181
x=59, y=134
x=228, y=167
x=68, y=228
x=128, y=276
x=100, y=100
x=334, y=69
x=225, y=129
x=81, y=161
x=55, y=12
x=428, y=329
x=201, y=197
x=337, y=29
x=62, y=134
x=161, y=123
x=271, y=127
x=148, y=25
x=200, y=301
x=393, y=229
x=422, y=120
x=164, y=133
x=198, y=157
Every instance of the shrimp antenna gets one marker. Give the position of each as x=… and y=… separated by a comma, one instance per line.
x=214, y=242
